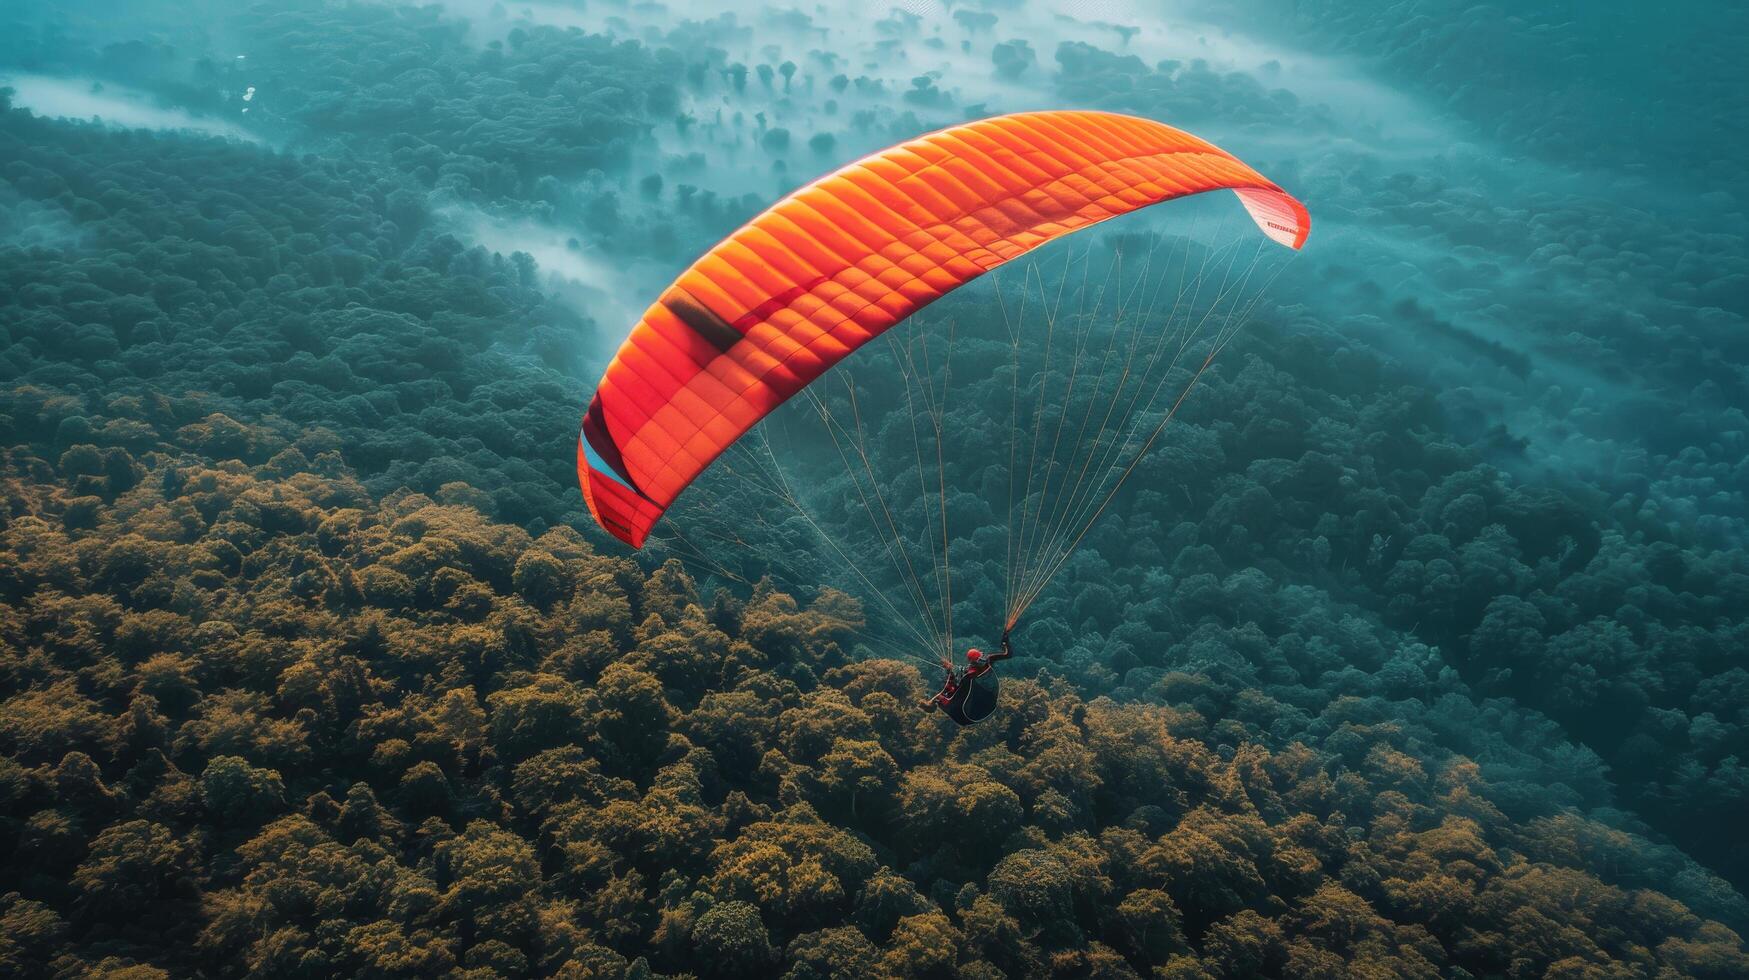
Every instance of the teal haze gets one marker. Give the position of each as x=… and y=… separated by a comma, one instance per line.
x=1471, y=471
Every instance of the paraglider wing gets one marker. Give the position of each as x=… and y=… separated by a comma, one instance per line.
x=839, y=261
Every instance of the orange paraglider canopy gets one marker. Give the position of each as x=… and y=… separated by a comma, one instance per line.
x=839, y=261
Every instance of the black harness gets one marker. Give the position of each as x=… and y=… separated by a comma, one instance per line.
x=974, y=700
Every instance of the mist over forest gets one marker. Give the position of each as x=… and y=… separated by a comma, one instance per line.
x=1414, y=647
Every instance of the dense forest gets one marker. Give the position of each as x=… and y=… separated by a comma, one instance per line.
x=264, y=723
x=1395, y=659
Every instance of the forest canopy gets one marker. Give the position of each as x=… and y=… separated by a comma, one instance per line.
x=1415, y=650
x=256, y=721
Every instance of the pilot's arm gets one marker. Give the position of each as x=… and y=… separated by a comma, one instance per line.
x=1007, y=651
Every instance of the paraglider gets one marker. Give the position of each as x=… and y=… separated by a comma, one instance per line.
x=961, y=697
x=836, y=263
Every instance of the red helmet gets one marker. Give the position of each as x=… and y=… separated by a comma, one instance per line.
x=974, y=654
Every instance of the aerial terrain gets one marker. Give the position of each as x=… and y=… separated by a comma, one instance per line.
x=1416, y=644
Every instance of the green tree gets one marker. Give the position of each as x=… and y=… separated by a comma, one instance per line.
x=495, y=884
x=135, y=870
x=857, y=774
x=239, y=794
x=729, y=940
